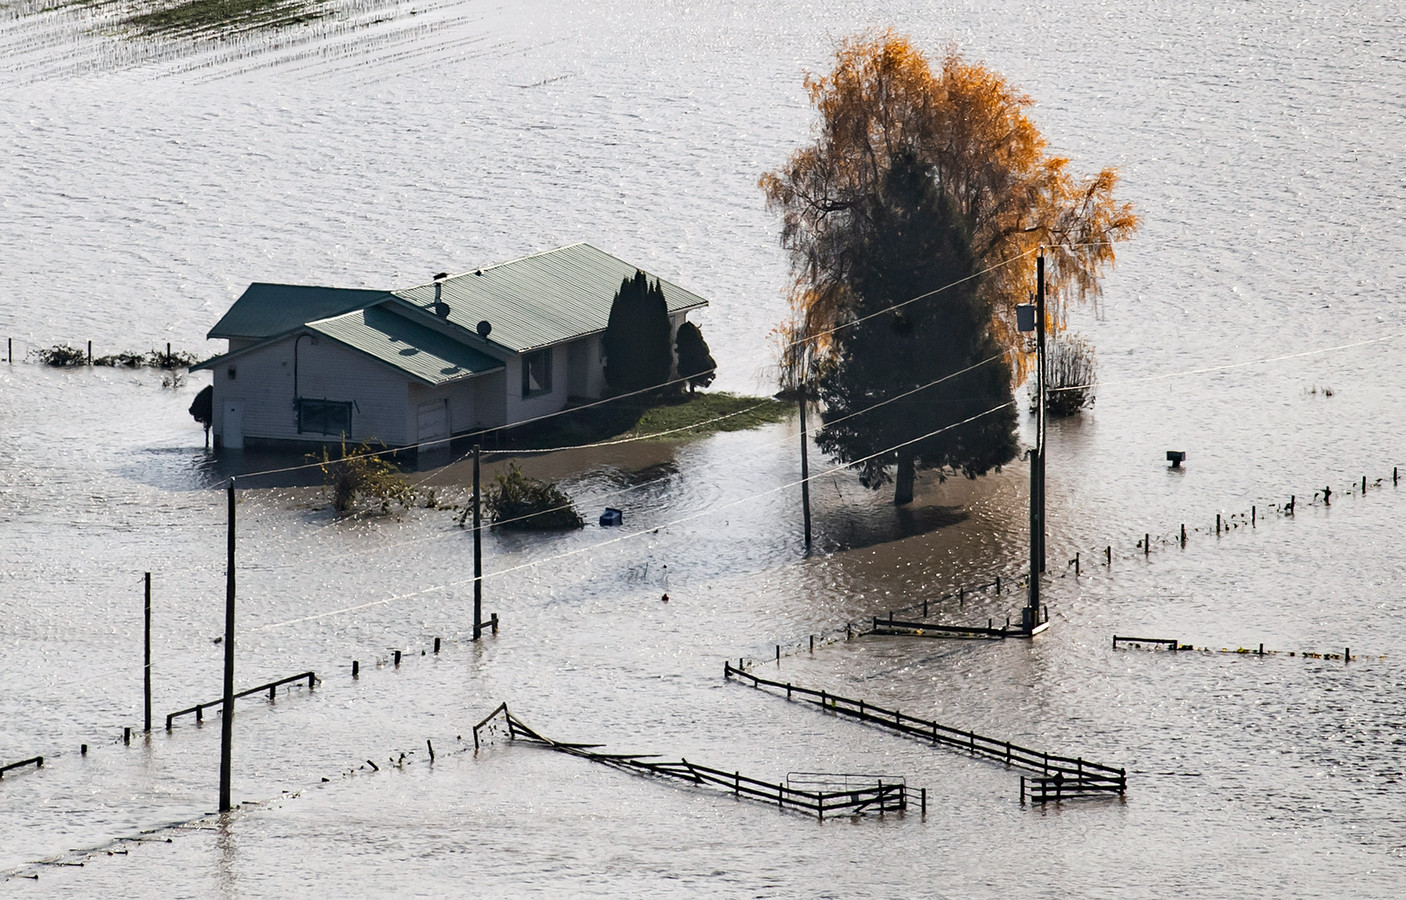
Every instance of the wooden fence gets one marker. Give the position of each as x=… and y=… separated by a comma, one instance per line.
x=847, y=797
x=36, y=761
x=1075, y=774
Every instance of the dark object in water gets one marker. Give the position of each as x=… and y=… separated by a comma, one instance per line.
x=611, y=517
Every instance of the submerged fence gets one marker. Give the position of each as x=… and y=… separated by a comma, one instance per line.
x=272, y=687
x=36, y=761
x=848, y=794
x=1075, y=775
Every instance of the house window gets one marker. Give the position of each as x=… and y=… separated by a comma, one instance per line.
x=324, y=417
x=537, y=373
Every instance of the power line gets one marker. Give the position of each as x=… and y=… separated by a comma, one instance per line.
x=946, y=287
x=635, y=534
x=1240, y=365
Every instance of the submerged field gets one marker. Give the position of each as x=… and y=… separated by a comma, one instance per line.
x=150, y=179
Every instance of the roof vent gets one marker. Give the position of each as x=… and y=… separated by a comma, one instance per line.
x=441, y=308
x=483, y=329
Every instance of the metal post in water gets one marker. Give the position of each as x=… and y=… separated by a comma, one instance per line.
x=146, y=669
x=227, y=712
x=478, y=554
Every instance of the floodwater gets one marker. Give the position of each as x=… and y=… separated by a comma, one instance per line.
x=1254, y=323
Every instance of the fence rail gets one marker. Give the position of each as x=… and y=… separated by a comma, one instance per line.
x=1169, y=643
x=36, y=761
x=272, y=688
x=883, y=795
x=1091, y=777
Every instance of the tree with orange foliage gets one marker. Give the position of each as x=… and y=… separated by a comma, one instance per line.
x=967, y=130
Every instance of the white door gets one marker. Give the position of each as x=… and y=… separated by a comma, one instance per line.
x=432, y=424
x=232, y=425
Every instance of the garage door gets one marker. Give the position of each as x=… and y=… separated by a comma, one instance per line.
x=432, y=424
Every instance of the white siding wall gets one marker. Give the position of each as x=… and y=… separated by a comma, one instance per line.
x=674, y=322
x=326, y=370
x=587, y=375
x=519, y=408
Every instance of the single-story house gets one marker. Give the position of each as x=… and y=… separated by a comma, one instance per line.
x=498, y=345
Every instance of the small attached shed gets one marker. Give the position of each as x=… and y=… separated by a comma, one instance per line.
x=487, y=348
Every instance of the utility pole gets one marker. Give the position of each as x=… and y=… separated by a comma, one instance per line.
x=1030, y=616
x=805, y=470
x=1040, y=363
x=227, y=707
x=146, y=669
x=478, y=554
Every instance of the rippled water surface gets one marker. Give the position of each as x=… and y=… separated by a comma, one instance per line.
x=1255, y=323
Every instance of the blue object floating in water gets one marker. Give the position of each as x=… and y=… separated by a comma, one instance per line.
x=611, y=517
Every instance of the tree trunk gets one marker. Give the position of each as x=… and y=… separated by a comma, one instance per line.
x=903, y=478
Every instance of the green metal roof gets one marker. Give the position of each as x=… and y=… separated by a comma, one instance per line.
x=414, y=349
x=265, y=310
x=543, y=299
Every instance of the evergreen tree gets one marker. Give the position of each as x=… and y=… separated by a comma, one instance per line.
x=695, y=362
x=918, y=242
x=638, y=355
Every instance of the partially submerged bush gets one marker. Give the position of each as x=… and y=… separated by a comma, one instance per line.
x=178, y=359
x=1072, y=376
x=61, y=356
x=364, y=475
x=125, y=360
x=520, y=501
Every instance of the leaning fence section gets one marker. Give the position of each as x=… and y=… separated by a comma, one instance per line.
x=1076, y=776
x=35, y=761
x=811, y=793
x=198, y=710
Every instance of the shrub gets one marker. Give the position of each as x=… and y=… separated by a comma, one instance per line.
x=519, y=501
x=364, y=474
x=1072, y=376
x=202, y=409
x=61, y=356
x=696, y=363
